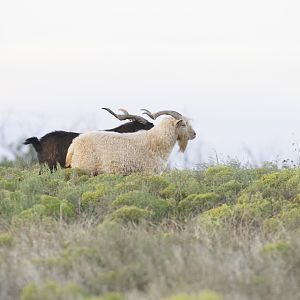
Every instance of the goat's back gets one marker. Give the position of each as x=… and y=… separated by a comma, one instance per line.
x=106, y=152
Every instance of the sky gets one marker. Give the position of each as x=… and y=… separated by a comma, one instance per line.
x=232, y=66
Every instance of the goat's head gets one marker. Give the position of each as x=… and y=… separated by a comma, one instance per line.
x=183, y=129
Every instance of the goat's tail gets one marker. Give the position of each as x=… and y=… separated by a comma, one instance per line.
x=35, y=143
x=69, y=156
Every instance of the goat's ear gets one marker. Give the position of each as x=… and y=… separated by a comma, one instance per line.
x=179, y=123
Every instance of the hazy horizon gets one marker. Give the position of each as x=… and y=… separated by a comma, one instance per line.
x=232, y=67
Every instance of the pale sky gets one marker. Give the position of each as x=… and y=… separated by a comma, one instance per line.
x=232, y=66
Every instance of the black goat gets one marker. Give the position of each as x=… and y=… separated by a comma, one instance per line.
x=52, y=148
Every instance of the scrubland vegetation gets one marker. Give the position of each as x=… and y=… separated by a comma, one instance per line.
x=219, y=232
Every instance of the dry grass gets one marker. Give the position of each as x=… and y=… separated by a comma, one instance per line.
x=149, y=262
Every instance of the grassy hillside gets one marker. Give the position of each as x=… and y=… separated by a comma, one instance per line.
x=222, y=232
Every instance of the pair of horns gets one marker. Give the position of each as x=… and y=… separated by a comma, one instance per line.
x=153, y=116
x=126, y=115
x=171, y=113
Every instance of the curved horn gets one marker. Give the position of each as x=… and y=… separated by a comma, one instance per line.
x=132, y=117
x=148, y=113
x=111, y=112
x=126, y=116
x=124, y=111
x=172, y=113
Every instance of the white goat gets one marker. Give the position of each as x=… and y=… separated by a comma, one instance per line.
x=145, y=151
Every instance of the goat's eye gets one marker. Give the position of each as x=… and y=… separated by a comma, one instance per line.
x=183, y=125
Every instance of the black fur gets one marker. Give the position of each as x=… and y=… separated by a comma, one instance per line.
x=35, y=143
x=52, y=148
x=132, y=127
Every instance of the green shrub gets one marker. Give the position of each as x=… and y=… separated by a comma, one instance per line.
x=181, y=297
x=276, y=179
x=129, y=214
x=257, y=209
x=7, y=207
x=152, y=184
x=57, y=208
x=277, y=248
x=35, y=185
x=289, y=219
x=71, y=193
x=219, y=174
x=283, y=184
x=12, y=203
x=108, y=180
x=52, y=291
x=109, y=296
x=6, y=240
x=158, y=208
x=209, y=295
x=48, y=206
x=31, y=215
x=229, y=190
x=92, y=198
x=205, y=295
x=216, y=216
x=196, y=203
x=181, y=184
x=8, y=184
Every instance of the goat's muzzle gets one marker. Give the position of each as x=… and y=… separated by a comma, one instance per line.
x=193, y=135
